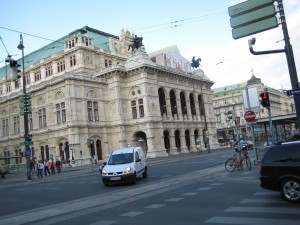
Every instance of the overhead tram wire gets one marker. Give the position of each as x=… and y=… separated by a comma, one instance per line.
x=176, y=22
x=194, y=19
x=4, y=45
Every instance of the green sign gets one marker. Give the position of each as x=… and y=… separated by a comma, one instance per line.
x=254, y=28
x=26, y=143
x=254, y=16
x=248, y=6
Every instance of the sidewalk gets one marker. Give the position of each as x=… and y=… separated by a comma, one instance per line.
x=244, y=175
x=65, y=171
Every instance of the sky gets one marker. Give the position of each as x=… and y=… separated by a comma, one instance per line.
x=199, y=28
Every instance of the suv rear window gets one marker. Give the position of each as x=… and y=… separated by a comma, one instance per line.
x=283, y=153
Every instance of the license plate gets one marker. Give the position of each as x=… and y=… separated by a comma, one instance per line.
x=115, y=178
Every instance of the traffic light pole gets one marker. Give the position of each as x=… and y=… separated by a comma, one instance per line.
x=26, y=127
x=288, y=50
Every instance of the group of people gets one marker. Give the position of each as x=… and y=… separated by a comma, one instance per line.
x=42, y=167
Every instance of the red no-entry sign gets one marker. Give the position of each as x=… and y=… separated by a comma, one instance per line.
x=249, y=116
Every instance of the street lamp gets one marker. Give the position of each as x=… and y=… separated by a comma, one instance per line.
x=26, y=128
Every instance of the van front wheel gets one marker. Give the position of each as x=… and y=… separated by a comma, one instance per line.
x=134, y=179
x=145, y=174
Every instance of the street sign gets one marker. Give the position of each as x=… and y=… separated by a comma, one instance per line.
x=26, y=143
x=248, y=6
x=254, y=28
x=27, y=152
x=250, y=17
x=292, y=92
x=249, y=116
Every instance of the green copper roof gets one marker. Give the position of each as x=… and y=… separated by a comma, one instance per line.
x=231, y=89
x=100, y=40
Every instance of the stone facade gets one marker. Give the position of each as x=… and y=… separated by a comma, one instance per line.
x=93, y=95
x=230, y=98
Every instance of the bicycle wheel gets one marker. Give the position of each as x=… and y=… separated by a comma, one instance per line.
x=248, y=162
x=230, y=165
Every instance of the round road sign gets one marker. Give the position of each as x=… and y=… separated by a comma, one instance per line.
x=249, y=116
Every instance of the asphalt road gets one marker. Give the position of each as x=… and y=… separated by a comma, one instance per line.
x=185, y=189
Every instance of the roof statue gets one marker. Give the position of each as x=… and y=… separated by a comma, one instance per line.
x=136, y=43
x=195, y=63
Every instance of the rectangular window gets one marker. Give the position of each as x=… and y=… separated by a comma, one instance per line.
x=37, y=76
x=93, y=112
x=42, y=117
x=60, y=113
x=30, y=123
x=141, y=107
x=16, y=124
x=96, y=113
x=27, y=78
x=63, y=113
x=90, y=111
x=8, y=87
x=61, y=66
x=49, y=71
x=133, y=109
x=73, y=60
x=5, y=127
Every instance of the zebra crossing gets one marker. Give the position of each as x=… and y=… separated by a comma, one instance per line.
x=264, y=208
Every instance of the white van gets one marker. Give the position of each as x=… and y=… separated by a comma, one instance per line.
x=125, y=165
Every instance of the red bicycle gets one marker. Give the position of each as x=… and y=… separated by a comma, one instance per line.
x=233, y=162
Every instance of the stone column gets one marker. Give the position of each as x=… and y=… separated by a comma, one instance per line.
x=183, y=147
x=173, y=148
x=193, y=144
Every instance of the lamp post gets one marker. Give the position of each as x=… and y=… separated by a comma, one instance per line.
x=26, y=128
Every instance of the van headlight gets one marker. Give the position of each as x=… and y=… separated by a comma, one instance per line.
x=127, y=170
x=104, y=172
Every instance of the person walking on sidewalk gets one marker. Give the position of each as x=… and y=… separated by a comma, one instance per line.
x=52, y=166
x=58, y=165
x=40, y=168
x=46, y=168
x=32, y=164
x=3, y=171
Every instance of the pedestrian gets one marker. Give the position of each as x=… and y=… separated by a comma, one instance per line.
x=40, y=168
x=95, y=158
x=69, y=162
x=3, y=171
x=32, y=164
x=58, y=165
x=46, y=168
x=52, y=167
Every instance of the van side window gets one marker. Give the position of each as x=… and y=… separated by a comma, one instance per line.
x=137, y=156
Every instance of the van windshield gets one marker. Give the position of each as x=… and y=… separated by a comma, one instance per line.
x=120, y=159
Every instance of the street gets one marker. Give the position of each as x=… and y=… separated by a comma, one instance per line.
x=184, y=189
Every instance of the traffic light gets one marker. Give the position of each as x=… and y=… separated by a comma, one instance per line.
x=14, y=66
x=265, y=102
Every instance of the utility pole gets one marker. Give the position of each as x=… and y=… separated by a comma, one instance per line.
x=26, y=109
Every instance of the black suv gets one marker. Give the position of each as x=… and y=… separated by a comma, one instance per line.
x=280, y=170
